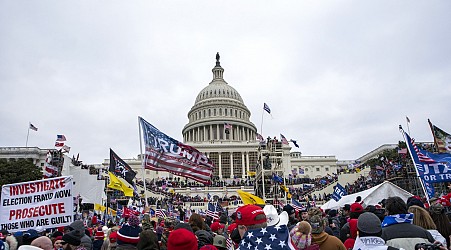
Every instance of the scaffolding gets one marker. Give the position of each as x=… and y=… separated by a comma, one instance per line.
x=270, y=163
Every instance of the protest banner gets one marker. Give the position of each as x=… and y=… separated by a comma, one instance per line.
x=47, y=203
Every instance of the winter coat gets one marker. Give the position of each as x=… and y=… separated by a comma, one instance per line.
x=326, y=241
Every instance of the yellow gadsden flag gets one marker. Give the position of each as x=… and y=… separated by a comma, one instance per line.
x=249, y=198
x=117, y=184
x=99, y=207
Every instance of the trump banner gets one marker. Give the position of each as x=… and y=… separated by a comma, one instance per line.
x=44, y=203
x=164, y=153
x=339, y=191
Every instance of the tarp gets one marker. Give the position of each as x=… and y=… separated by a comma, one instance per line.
x=87, y=186
x=370, y=196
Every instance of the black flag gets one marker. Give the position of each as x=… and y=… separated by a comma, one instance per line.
x=119, y=168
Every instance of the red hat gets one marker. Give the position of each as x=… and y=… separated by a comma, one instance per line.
x=356, y=208
x=182, y=239
x=231, y=228
x=99, y=235
x=113, y=237
x=246, y=215
x=215, y=226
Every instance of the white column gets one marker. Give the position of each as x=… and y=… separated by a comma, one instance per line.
x=220, y=165
x=243, y=166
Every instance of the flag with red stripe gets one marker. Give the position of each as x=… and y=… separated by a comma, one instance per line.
x=164, y=153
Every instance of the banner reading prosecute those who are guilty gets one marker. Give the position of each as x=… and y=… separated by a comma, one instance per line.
x=44, y=203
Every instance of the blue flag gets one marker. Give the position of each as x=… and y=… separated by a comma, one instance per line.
x=431, y=167
x=339, y=191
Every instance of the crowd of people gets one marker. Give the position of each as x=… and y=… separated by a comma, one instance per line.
x=391, y=224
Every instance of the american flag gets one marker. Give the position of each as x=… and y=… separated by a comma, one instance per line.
x=441, y=138
x=260, y=137
x=229, y=243
x=227, y=125
x=421, y=155
x=160, y=213
x=60, y=138
x=164, y=153
x=32, y=127
x=213, y=210
x=283, y=139
x=50, y=170
x=273, y=237
x=266, y=108
x=296, y=205
x=278, y=203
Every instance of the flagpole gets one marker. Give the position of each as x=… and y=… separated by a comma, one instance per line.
x=142, y=160
x=414, y=165
x=261, y=124
x=28, y=133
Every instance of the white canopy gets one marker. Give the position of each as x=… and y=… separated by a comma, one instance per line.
x=370, y=196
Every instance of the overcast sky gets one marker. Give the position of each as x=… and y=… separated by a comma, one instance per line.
x=339, y=76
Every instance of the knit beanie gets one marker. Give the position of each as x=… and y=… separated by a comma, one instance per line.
x=73, y=238
x=301, y=236
x=369, y=223
x=128, y=235
x=43, y=242
x=182, y=239
x=317, y=223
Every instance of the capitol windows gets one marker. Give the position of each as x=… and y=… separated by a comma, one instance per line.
x=237, y=164
x=317, y=169
x=214, y=112
x=220, y=112
x=209, y=112
x=225, y=112
x=236, y=113
x=214, y=157
x=326, y=169
x=225, y=164
x=253, y=161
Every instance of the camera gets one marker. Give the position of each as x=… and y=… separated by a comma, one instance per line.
x=427, y=246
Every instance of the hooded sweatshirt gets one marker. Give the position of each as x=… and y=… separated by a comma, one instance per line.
x=326, y=241
x=86, y=242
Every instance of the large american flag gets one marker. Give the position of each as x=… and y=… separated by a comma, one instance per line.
x=160, y=213
x=164, y=153
x=273, y=237
x=296, y=205
x=213, y=210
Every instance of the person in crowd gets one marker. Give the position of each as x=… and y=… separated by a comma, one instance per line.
x=57, y=243
x=43, y=242
x=437, y=212
x=249, y=217
x=422, y=218
x=370, y=231
x=110, y=240
x=292, y=221
x=320, y=237
x=397, y=228
x=29, y=236
x=301, y=237
x=85, y=239
x=10, y=241
x=72, y=240
x=217, y=228
x=98, y=239
x=220, y=242
x=304, y=214
x=334, y=222
x=147, y=240
x=344, y=215
x=182, y=239
x=128, y=235
x=354, y=212
x=204, y=238
x=197, y=222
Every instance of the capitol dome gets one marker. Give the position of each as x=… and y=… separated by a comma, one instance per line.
x=219, y=113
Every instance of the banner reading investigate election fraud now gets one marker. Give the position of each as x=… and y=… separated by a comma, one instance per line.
x=47, y=203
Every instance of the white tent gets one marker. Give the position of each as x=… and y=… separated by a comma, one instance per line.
x=370, y=196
